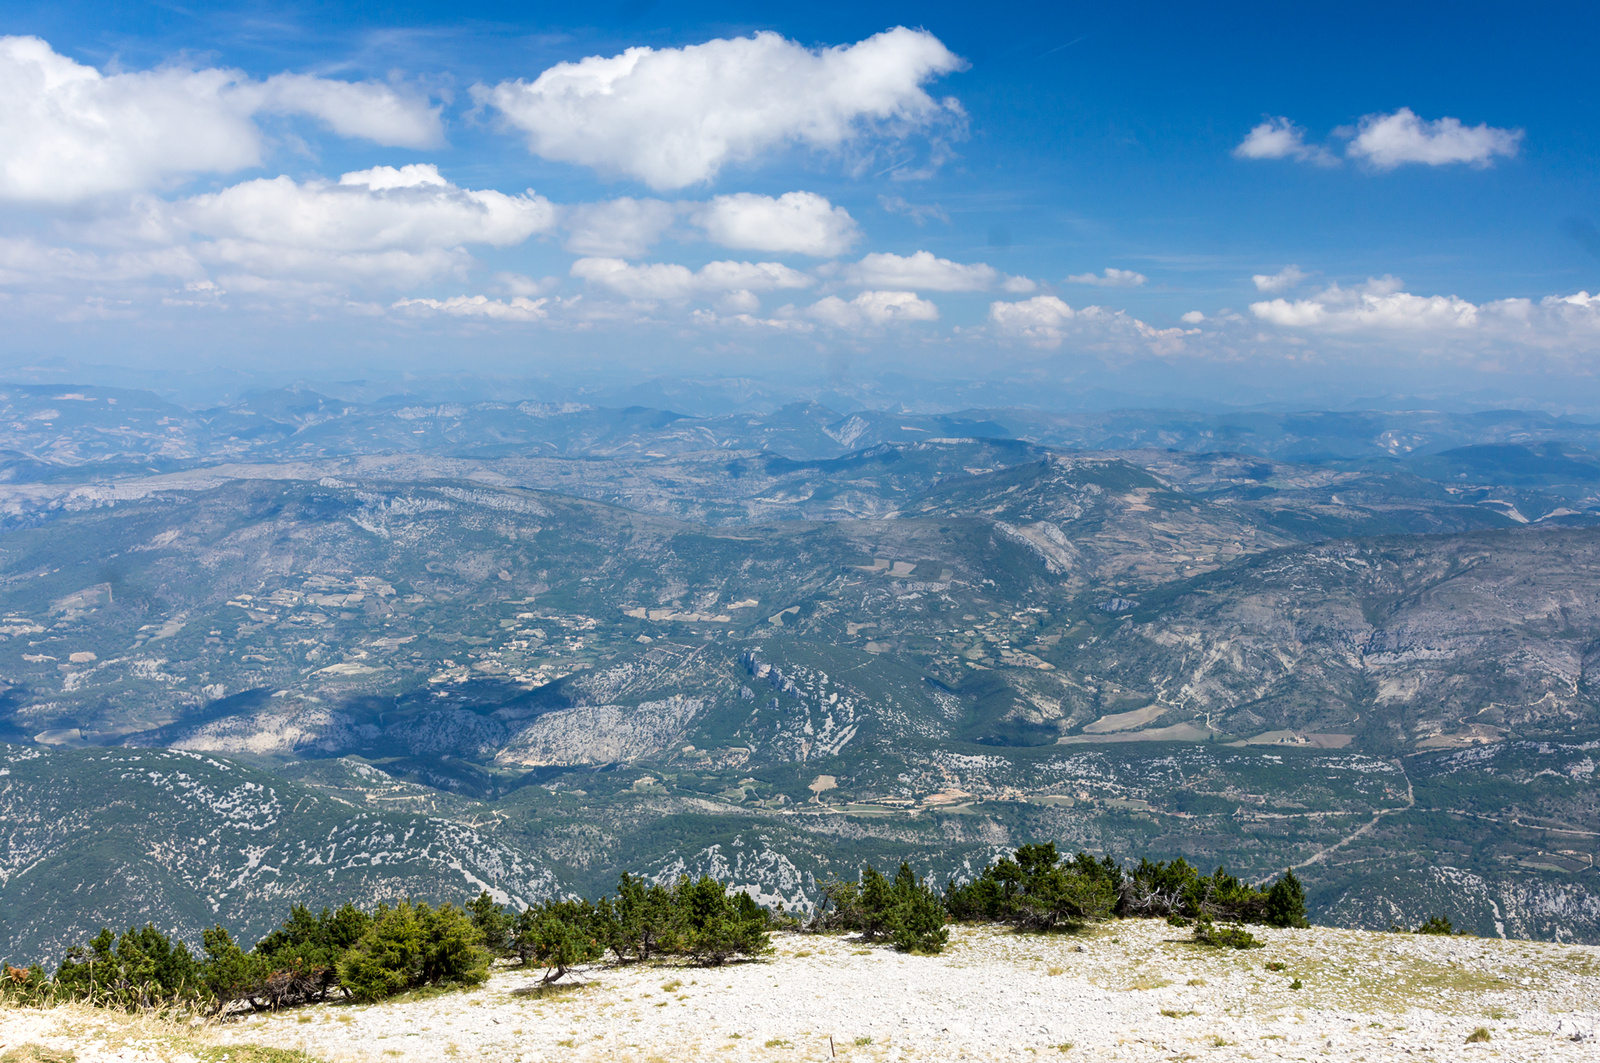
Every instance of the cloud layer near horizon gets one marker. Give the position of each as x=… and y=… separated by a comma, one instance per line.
x=123, y=179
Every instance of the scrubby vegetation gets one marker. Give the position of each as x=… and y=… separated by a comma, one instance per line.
x=407, y=945
x=905, y=911
x=1038, y=889
x=1437, y=925
x=365, y=956
x=360, y=955
x=1234, y=936
x=696, y=920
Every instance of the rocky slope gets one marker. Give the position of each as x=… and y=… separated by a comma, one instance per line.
x=1131, y=991
x=186, y=841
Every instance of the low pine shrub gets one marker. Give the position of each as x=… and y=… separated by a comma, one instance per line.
x=905, y=911
x=410, y=945
x=1207, y=932
x=1036, y=889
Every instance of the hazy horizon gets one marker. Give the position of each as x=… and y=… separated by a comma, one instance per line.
x=920, y=205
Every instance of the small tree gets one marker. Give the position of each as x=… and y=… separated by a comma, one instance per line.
x=492, y=922
x=877, y=904
x=143, y=968
x=642, y=922
x=840, y=908
x=1286, y=903
x=1034, y=889
x=916, y=922
x=230, y=974
x=716, y=925
x=412, y=945
x=301, y=957
x=558, y=935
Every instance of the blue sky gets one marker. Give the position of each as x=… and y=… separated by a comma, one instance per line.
x=1067, y=195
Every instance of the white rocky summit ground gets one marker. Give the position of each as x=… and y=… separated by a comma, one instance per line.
x=1130, y=990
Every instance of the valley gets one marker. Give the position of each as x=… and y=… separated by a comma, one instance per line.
x=533, y=646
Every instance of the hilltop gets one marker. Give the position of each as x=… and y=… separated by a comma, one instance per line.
x=1130, y=990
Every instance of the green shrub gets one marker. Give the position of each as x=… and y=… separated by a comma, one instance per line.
x=298, y=962
x=1286, y=903
x=719, y=925
x=560, y=935
x=698, y=919
x=143, y=968
x=493, y=922
x=25, y=985
x=1437, y=925
x=642, y=922
x=905, y=911
x=917, y=916
x=1178, y=888
x=1036, y=890
x=412, y=945
x=1207, y=932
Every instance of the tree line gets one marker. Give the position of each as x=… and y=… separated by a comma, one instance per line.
x=361, y=955
x=365, y=956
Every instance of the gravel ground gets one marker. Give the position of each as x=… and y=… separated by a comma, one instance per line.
x=1130, y=990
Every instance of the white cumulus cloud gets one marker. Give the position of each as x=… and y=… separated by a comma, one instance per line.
x=795, y=222
x=669, y=280
x=1279, y=138
x=1040, y=321
x=1110, y=278
x=1385, y=141
x=1289, y=277
x=710, y=318
x=1378, y=304
x=1389, y=140
x=923, y=271
x=410, y=207
x=1045, y=321
x=1566, y=327
x=69, y=132
x=800, y=222
x=673, y=117
x=618, y=228
x=519, y=308
x=872, y=310
x=392, y=227
x=368, y=110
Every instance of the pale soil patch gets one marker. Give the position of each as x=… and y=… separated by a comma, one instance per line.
x=1178, y=732
x=1122, y=721
x=1129, y=990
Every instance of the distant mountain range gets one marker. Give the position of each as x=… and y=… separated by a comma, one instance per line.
x=432, y=648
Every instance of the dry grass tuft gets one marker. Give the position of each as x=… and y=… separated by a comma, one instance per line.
x=37, y=1054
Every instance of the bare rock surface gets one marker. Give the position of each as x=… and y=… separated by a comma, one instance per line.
x=1133, y=990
